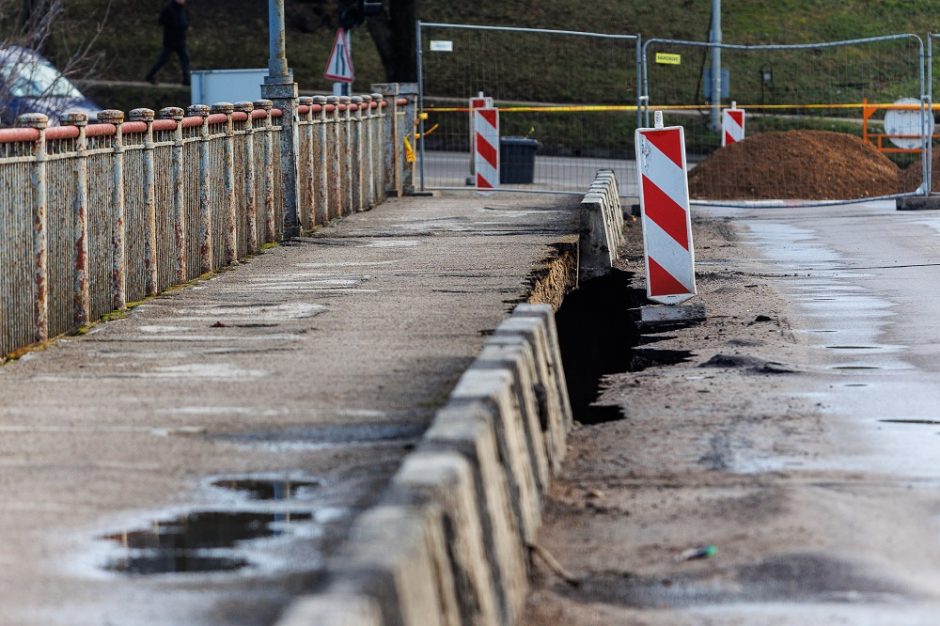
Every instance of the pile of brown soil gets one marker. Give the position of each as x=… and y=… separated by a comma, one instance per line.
x=913, y=176
x=796, y=164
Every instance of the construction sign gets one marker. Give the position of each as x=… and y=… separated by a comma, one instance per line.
x=340, y=68
x=732, y=125
x=666, y=219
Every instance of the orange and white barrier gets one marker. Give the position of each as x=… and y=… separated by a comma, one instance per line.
x=666, y=218
x=732, y=125
x=486, y=147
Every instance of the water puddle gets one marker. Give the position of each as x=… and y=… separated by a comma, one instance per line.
x=856, y=367
x=911, y=421
x=214, y=540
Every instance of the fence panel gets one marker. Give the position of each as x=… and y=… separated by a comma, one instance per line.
x=844, y=87
x=61, y=185
x=579, y=105
x=16, y=231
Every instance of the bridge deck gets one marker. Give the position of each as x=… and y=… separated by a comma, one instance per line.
x=317, y=362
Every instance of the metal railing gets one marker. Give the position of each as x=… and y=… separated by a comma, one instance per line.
x=94, y=216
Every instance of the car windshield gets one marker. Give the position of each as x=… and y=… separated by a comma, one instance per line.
x=33, y=79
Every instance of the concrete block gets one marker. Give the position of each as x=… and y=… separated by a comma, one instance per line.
x=494, y=389
x=671, y=315
x=446, y=478
x=533, y=331
x=333, y=609
x=397, y=555
x=552, y=358
x=918, y=203
x=468, y=428
x=520, y=360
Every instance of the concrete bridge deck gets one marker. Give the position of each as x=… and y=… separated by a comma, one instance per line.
x=272, y=401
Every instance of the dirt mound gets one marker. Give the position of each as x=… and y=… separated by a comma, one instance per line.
x=796, y=164
x=912, y=176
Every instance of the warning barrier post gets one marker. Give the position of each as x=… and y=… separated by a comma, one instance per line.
x=665, y=213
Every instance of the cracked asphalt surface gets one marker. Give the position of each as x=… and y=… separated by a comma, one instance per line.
x=815, y=478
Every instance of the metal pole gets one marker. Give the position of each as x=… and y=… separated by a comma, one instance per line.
x=280, y=88
x=420, y=100
x=715, y=38
x=928, y=165
x=639, y=82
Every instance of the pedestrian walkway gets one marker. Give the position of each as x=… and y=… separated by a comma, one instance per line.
x=272, y=401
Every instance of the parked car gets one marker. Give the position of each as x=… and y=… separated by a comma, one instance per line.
x=31, y=84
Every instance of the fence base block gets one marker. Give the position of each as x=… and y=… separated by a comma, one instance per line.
x=919, y=203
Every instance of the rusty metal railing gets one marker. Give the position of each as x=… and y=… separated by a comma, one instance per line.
x=93, y=216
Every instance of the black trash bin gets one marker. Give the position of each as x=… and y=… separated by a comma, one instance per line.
x=517, y=160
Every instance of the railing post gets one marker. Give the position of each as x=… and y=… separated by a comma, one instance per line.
x=150, y=204
x=348, y=198
x=81, y=296
x=355, y=154
x=336, y=167
x=176, y=177
x=392, y=139
x=409, y=91
x=248, y=184
x=323, y=193
x=230, y=235
x=40, y=236
x=118, y=226
x=306, y=167
x=205, y=209
x=366, y=153
x=378, y=149
x=280, y=87
x=270, y=230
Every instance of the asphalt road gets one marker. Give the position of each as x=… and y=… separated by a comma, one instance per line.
x=799, y=438
x=195, y=462
x=560, y=174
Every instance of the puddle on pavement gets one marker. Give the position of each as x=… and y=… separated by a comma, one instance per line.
x=856, y=367
x=212, y=540
x=598, y=336
x=270, y=489
x=854, y=347
x=921, y=422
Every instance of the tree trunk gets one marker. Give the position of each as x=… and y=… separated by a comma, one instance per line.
x=393, y=32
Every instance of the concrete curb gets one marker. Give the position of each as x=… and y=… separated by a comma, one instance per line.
x=601, y=232
x=448, y=542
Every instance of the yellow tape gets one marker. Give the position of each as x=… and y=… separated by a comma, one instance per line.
x=409, y=151
x=681, y=107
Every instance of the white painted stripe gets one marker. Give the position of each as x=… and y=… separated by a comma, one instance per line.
x=665, y=174
x=487, y=171
x=485, y=128
x=670, y=255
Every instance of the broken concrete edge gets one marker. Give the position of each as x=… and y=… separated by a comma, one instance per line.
x=601, y=228
x=447, y=542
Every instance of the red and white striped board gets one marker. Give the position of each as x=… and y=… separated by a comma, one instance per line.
x=732, y=126
x=666, y=219
x=486, y=147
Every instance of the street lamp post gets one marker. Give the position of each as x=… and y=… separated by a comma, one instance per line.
x=280, y=88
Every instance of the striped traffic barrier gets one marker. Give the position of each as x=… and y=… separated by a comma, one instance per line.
x=732, y=125
x=486, y=147
x=666, y=219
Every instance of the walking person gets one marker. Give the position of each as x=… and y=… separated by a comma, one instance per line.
x=175, y=22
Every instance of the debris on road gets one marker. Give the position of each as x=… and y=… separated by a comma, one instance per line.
x=702, y=552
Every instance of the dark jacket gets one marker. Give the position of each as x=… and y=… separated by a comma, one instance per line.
x=175, y=21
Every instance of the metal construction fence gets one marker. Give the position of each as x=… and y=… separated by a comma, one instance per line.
x=584, y=102
x=831, y=86
x=577, y=104
x=93, y=216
